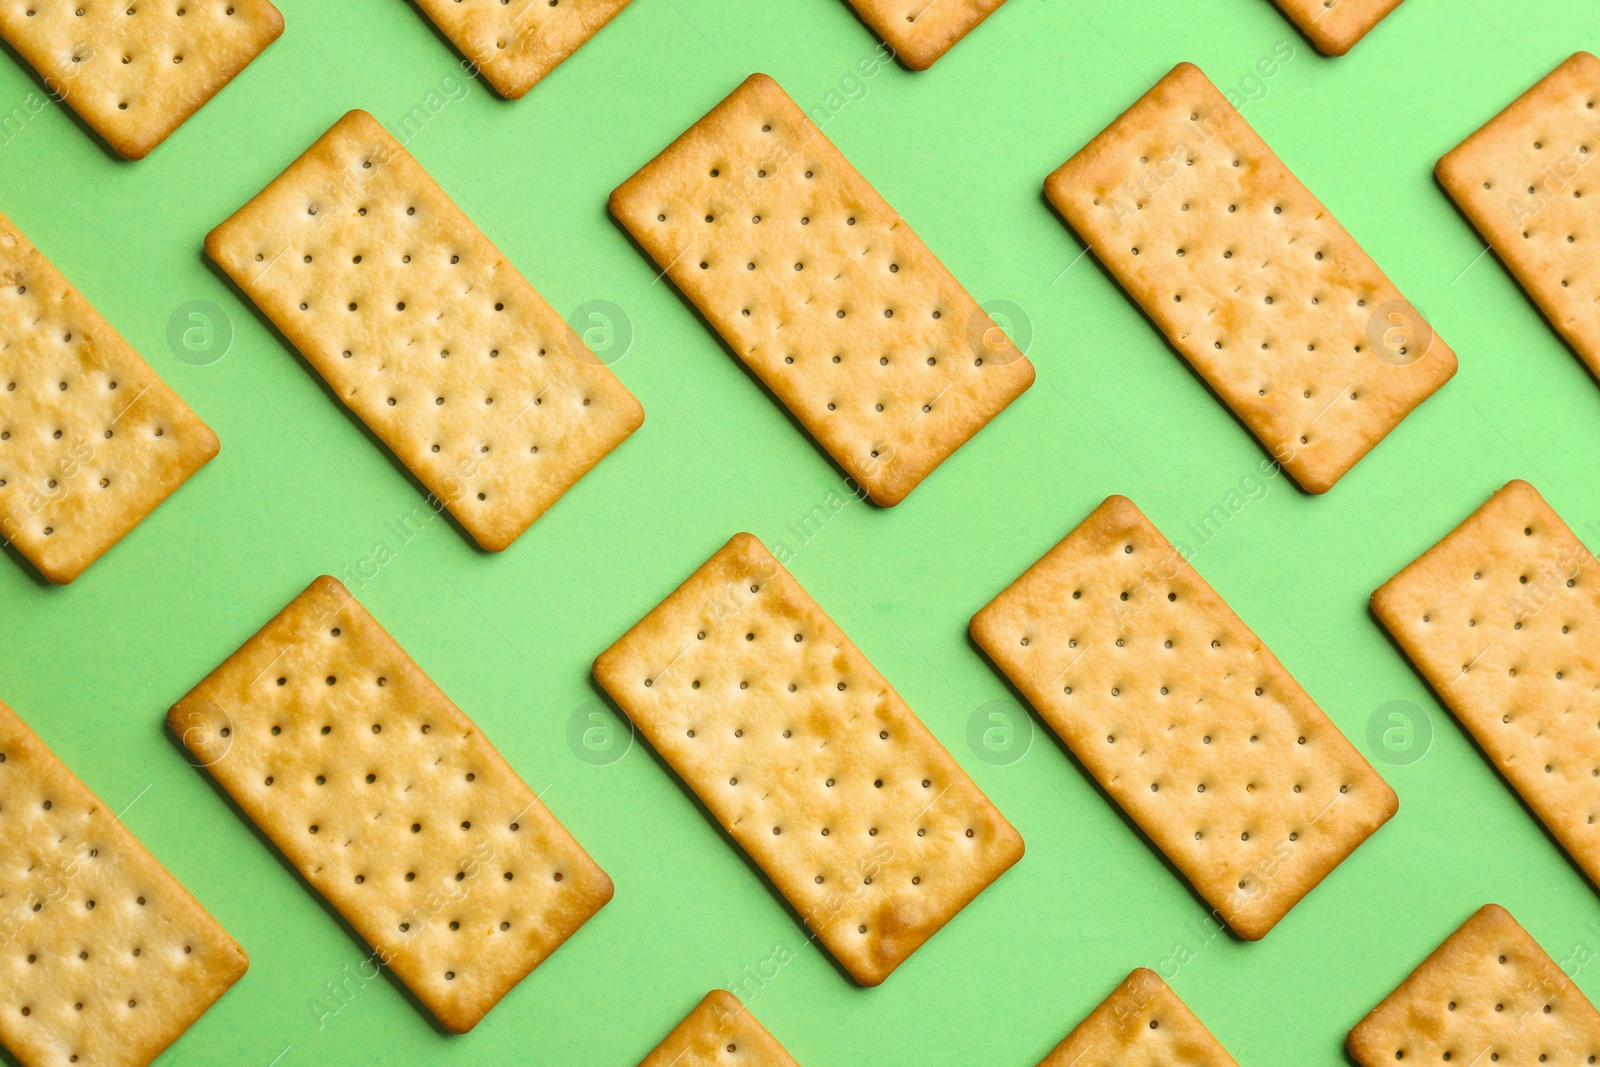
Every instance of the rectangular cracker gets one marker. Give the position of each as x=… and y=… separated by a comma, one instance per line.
x=1251, y=279
x=515, y=43
x=808, y=758
x=1502, y=617
x=1489, y=993
x=391, y=803
x=1142, y=1023
x=105, y=958
x=920, y=31
x=425, y=330
x=135, y=70
x=822, y=290
x=91, y=440
x=1522, y=181
x=1334, y=26
x=718, y=1028
x=1184, y=717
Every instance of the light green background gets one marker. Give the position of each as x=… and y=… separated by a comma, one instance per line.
x=961, y=151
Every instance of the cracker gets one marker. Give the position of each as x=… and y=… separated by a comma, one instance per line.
x=135, y=70
x=515, y=43
x=822, y=290
x=1334, y=26
x=90, y=439
x=920, y=31
x=1523, y=182
x=425, y=330
x=1502, y=617
x=719, y=1031
x=1250, y=278
x=1488, y=994
x=808, y=758
x=1141, y=1024
x=105, y=959
x=391, y=803
x=1184, y=717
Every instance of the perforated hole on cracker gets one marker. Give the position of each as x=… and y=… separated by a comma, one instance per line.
x=91, y=440
x=920, y=31
x=105, y=959
x=515, y=43
x=1141, y=1024
x=1184, y=717
x=425, y=330
x=391, y=803
x=808, y=758
x=135, y=70
x=1250, y=278
x=822, y=290
x=719, y=1031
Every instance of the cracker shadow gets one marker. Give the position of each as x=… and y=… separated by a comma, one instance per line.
x=27, y=567
x=332, y=912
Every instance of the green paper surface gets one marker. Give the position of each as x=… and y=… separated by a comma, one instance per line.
x=961, y=151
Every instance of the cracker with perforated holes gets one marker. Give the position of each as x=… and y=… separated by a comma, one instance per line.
x=91, y=440
x=1489, y=993
x=1523, y=181
x=1251, y=279
x=135, y=70
x=1184, y=717
x=719, y=1030
x=920, y=31
x=391, y=803
x=515, y=43
x=822, y=290
x=105, y=959
x=1142, y=1023
x=808, y=758
x=425, y=330
x=1502, y=617
x=1334, y=26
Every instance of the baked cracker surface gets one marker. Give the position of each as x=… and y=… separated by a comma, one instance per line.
x=920, y=31
x=1523, y=180
x=1489, y=994
x=1184, y=717
x=105, y=959
x=1250, y=278
x=391, y=803
x=134, y=70
x=822, y=290
x=808, y=758
x=91, y=440
x=1502, y=617
x=425, y=330
x=719, y=1031
x=1141, y=1024
x=1334, y=26
x=515, y=43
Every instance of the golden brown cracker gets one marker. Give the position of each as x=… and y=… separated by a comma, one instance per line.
x=1141, y=1024
x=1334, y=26
x=515, y=43
x=719, y=1031
x=920, y=31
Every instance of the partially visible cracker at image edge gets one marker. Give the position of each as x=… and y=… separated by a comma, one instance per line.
x=1511, y=180
x=1250, y=278
x=1185, y=718
x=822, y=290
x=1334, y=26
x=425, y=331
x=135, y=70
x=91, y=440
x=1502, y=618
x=920, y=31
x=1488, y=993
x=808, y=758
x=105, y=958
x=391, y=803
x=515, y=43
x=1142, y=1022
x=719, y=1027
